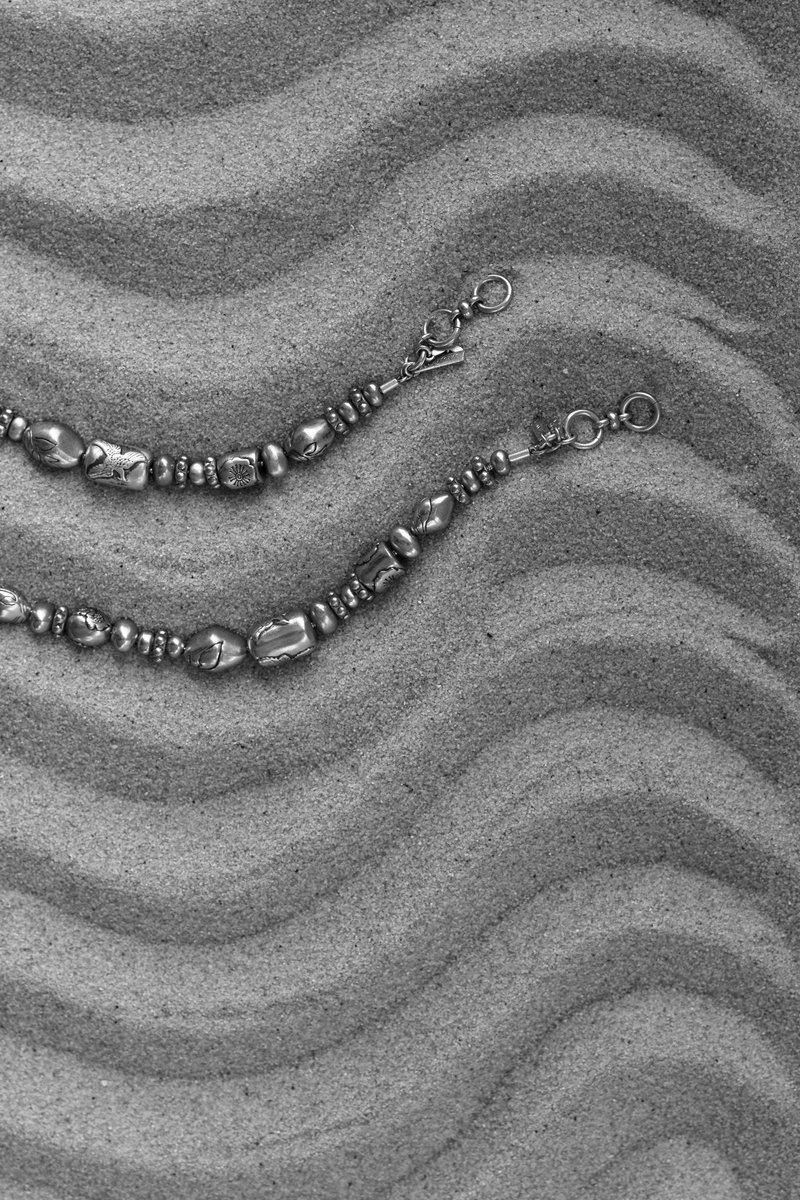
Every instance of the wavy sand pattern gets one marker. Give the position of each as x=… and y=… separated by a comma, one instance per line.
x=497, y=897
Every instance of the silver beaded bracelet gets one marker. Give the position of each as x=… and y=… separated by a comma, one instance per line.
x=295, y=633
x=57, y=446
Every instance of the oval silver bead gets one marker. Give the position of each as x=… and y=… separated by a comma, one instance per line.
x=17, y=428
x=124, y=634
x=41, y=616
x=309, y=440
x=117, y=466
x=348, y=595
x=275, y=461
x=14, y=608
x=88, y=627
x=404, y=542
x=164, y=470
x=53, y=445
x=323, y=617
x=348, y=412
x=215, y=649
x=433, y=514
x=282, y=639
x=197, y=473
x=175, y=646
x=500, y=463
x=470, y=481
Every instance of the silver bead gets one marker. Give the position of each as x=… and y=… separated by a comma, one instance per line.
x=309, y=440
x=159, y=645
x=470, y=482
x=465, y=310
x=614, y=423
x=456, y=489
x=275, y=461
x=124, y=634
x=6, y=417
x=197, y=473
x=348, y=412
x=14, y=608
x=88, y=627
x=144, y=642
x=374, y=395
x=481, y=469
x=215, y=649
x=337, y=424
x=59, y=620
x=348, y=595
x=282, y=639
x=41, y=616
x=239, y=469
x=16, y=429
x=357, y=588
x=322, y=616
x=433, y=514
x=164, y=470
x=404, y=542
x=53, y=445
x=175, y=646
x=210, y=468
x=379, y=567
x=500, y=463
x=357, y=397
x=181, y=471
x=337, y=605
x=121, y=467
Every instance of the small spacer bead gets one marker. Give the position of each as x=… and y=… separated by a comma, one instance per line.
x=175, y=646
x=275, y=461
x=357, y=588
x=337, y=605
x=210, y=468
x=159, y=645
x=349, y=597
x=465, y=310
x=348, y=412
x=335, y=421
x=374, y=395
x=323, y=617
x=197, y=473
x=500, y=463
x=181, y=471
x=6, y=417
x=456, y=490
x=59, y=620
x=614, y=422
x=144, y=642
x=164, y=470
x=17, y=428
x=481, y=469
x=357, y=397
x=469, y=481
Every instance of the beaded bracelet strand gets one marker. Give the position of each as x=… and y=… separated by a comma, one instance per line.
x=57, y=446
x=295, y=633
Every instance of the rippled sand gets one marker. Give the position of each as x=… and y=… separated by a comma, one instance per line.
x=495, y=897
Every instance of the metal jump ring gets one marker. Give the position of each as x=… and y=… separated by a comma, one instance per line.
x=628, y=421
x=590, y=416
x=483, y=305
x=441, y=343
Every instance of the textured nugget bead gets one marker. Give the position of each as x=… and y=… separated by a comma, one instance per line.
x=117, y=466
x=53, y=445
x=41, y=616
x=215, y=649
x=14, y=608
x=309, y=440
x=379, y=567
x=433, y=514
x=124, y=634
x=323, y=617
x=88, y=627
x=164, y=470
x=275, y=461
x=239, y=469
x=282, y=639
x=404, y=542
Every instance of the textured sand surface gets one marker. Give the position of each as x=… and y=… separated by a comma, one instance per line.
x=495, y=897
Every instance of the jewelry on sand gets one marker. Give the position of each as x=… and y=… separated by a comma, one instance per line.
x=60, y=448
x=295, y=633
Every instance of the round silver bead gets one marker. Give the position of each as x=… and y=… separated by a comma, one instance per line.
x=59, y=620
x=465, y=310
x=14, y=608
x=348, y=412
x=404, y=542
x=88, y=627
x=197, y=473
x=349, y=597
x=275, y=461
x=17, y=428
x=433, y=514
x=41, y=616
x=500, y=463
x=215, y=649
x=144, y=642
x=470, y=481
x=374, y=395
x=54, y=445
x=323, y=618
x=164, y=470
x=175, y=646
x=309, y=440
x=124, y=634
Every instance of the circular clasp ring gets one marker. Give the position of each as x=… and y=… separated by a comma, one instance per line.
x=483, y=305
x=593, y=418
x=442, y=343
x=629, y=422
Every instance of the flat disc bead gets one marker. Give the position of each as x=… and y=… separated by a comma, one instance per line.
x=53, y=445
